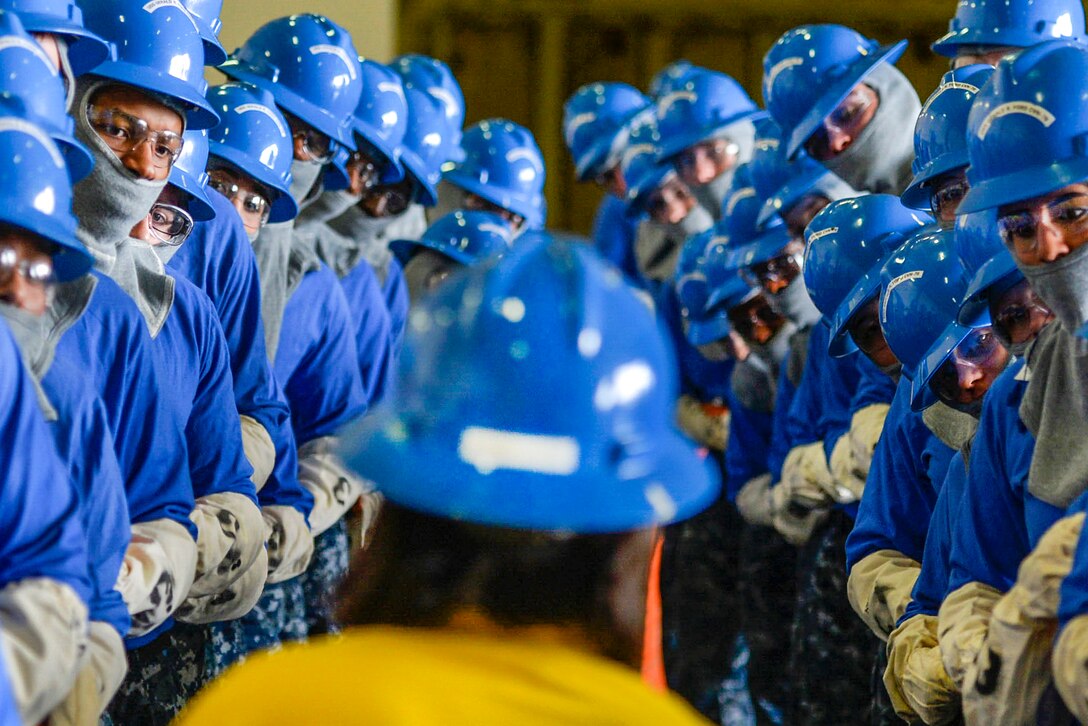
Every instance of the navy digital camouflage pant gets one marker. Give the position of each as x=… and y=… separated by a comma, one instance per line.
x=332, y=552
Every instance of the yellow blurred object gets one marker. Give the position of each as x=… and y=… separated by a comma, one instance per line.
x=707, y=424
x=879, y=589
x=1070, y=664
x=399, y=676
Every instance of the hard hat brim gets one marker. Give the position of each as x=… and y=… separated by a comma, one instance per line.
x=999, y=270
x=1021, y=185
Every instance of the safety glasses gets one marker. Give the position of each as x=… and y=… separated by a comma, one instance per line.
x=391, y=199
x=782, y=268
x=755, y=321
x=978, y=357
x=1068, y=214
x=36, y=272
x=360, y=167
x=662, y=199
x=316, y=146
x=1018, y=314
x=254, y=203
x=945, y=197
x=170, y=225
x=124, y=132
x=720, y=153
x=846, y=120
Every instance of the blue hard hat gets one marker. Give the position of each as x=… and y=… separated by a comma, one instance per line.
x=467, y=237
x=254, y=137
x=1026, y=131
x=642, y=172
x=846, y=245
x=424, y=148
x=158, y=50
x=381, y=119
x=595, y=120
x=670, y=76
x=64, y=18
x=689, y=281
x=37, y=192
x=699, y=107
x=811, y=69
x=466, y=436
x=503, y=165
x=1013, y=23
x=33, y=88
x=922, y=285
x=435, y=78
x=206, y=14
x=704, y=269
x=310, y=66
x=940, y=134
x=987, y=262
x=780, y=182
x=189, y=173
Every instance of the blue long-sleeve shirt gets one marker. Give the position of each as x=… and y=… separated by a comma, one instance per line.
x=909, y=466
x=614, y=234
x=218, y=258
x=375, y=340
x=83, y=440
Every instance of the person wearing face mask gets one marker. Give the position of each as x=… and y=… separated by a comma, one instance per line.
x=987, y=30
x=134, y=123
x=672, y=212
x=307, y=316
x=837, y=95
x=456, y=241
x=372, y=279
x=433, y=77
x=71, y=47
x=596, y=124
x=940, y=145
x=706, y=128
x=1040, y=208
x=36, y=251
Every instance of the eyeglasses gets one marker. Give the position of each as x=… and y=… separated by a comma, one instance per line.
x=359, y=163
x=1019, y=230
x=477, y=203
x=253, y=203
x=665, y=196
x=722, y=153
x=864, y=329
x=945, y=198
x=397, y=197
x=1018, y=314
x=123, y=132
x=845, y=120
x=785, y=267
x=607, y=178
x=36, y=272
x=316, y=145
x=755, y=321
x=980, y=350
x=169, y=224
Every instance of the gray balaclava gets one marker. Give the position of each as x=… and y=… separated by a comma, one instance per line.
x=754, y=380
x=423, y=266
x=36, y=347
x=657, y=246
x=879, y=159
x=795, y=304
x=109, y=203
x=711, y=196
x=272, y=248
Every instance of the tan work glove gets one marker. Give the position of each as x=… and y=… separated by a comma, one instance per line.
x=961, y=627
x=288, y=541
x=866, y=425
x=259, y=449
x=1070, y=665
x=806, y=476
x=706, y=424
x=793, y=521
x=755, y=501
x=915, y=678
x=879, y=589
x=1013, y=667
x=849, y=484
x=97, y=681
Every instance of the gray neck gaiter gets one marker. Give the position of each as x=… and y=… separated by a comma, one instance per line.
x=657, y=246
x=795, y=304
x=325, y=208
x=273, y=251
x=355, y=236
x=878, y=161
x=421, y=269
x=1055, y=410
x=1063, y=286
x=36, y=348
x=304, y=176
x=109, y=203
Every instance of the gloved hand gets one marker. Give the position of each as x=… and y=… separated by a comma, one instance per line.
x=1070, y=663
x=806, y=476
x=961, y=627
x=259, y=450
x=879, y=589
x=369, y=504
x=288, y=542
x=755, y=501
x=233, y=601
x=849, y=484
x=157, y=572
x=97, y=681
x=333, y=487
x=866, y=426
x=915, y=677
x=793, y=521
x=43, y=638
x=230, y=535
x=1012, y=670
x=706, y=424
